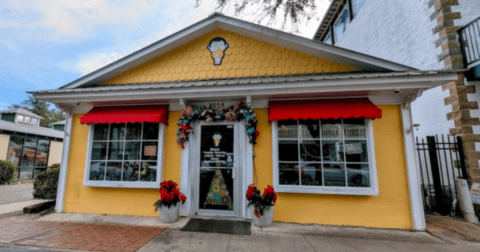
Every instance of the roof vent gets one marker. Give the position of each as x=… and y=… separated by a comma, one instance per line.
x=216, y=13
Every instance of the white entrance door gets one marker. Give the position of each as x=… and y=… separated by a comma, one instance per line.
x=218, y=172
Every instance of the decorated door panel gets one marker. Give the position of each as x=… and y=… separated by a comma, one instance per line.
x=217, y=168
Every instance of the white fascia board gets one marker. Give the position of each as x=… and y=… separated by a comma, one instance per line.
x=279, y=38
x=409, y=82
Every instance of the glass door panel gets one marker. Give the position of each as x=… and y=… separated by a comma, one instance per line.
x=217, y=167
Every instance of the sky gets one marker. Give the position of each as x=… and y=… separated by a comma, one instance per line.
x=45, y=44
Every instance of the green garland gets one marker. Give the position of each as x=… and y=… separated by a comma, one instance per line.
x=213, y=113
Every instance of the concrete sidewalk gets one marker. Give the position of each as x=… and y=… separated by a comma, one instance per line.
x=278, y=237
x=13, y=209
x=63, y=232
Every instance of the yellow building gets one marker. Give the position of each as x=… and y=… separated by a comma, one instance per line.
x=225, y=103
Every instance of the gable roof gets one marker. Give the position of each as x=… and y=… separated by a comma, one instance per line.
x=21, y=112
x=262, y=33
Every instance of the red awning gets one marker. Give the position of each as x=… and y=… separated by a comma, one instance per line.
x=323, y=109
x=127, y=114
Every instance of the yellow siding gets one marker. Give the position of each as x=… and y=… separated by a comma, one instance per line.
x=391, y=209
x=120, y=201
x=4, y=141
x=55, y=154
x=244, y=57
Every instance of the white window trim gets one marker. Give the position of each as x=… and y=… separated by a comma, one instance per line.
x=371, y=191
x=126, y=184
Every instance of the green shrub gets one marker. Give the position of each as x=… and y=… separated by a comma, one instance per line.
x=6, y=171
x=46, y=183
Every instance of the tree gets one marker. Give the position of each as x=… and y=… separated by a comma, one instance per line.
x=44, y=109
x=292, y=12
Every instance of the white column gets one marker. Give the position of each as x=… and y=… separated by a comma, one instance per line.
x=64, y=165
x=414, y=189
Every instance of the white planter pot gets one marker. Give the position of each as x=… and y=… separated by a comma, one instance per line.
x=265, y=220
x=169, y=215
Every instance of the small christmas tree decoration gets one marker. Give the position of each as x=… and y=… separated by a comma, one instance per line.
x=218, y=193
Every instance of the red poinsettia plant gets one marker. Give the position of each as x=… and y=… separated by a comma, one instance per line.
x=169, y=195
x=261, y=202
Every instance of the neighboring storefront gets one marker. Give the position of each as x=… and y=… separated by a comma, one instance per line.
x=30, y=147
x=225, y=103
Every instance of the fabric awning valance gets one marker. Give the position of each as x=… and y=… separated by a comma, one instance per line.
x=127, y=114
x=323, y=109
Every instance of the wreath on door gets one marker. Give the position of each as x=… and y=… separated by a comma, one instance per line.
x=216, y=112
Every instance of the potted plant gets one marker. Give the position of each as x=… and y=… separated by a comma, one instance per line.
x=262, y=205
x=168, y=206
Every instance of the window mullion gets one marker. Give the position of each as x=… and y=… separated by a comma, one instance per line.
x=299, y=138
x=106, y=154
x=321, y=150
x=123, y=153
x=140, y=154
x=344, y=153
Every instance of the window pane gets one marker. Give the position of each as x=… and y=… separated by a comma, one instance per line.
x=358, y=175
x=28, y=157
x=134, y=131
x=26, y=119
x=328, y=38
x=310, y=150
x=100, y=132
x=14, y=153
x=20, y=118
x=42, y=153
x=114, y=171
x=312, y=174
x=97, y=170
x=150, y=131
x=287, y=150
x=34, y=121
x=334, y=174
x=356, y=151
x=115, y=151
x=148, y=171
x=341, y=23
x=117, y=131
x=132, y=151
x=287, y=129
x=332, y=150
x=288, y=174
x=357, y=5
x=332, y=128
x=309, y=129
x=354, y=128
x=99, y=151
x=130, y=171
x=149, y=151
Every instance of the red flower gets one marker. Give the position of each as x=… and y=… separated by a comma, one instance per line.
x=257, y=133
x=274, y=198
x=183, y=198
x=251, y=191
x=184, y=127
x=268, y=192
x=256, y=213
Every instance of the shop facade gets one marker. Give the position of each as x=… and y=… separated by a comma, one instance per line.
x=225, y=103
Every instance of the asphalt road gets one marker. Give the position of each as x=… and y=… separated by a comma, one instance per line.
x=16, y=193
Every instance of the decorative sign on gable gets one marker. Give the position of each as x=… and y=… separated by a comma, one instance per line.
x=217, y=48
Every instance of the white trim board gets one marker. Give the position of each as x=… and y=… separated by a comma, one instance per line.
x=255, y=31
x=62, y=177
x=414, y=188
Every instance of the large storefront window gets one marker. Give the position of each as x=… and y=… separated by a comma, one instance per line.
x=30, y=154
x=124, y=154
x=324, y=155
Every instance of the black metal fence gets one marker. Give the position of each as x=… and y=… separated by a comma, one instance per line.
x=441, y=160
x=470, y=42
